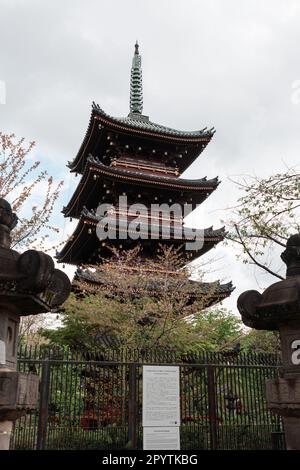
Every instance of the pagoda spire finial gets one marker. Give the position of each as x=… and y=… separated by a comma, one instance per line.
x=136, y=84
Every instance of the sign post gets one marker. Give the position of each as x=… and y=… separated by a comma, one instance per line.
x=161, y=407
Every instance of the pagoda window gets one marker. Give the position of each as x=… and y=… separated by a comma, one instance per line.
x=156, y=218
x=145, y=166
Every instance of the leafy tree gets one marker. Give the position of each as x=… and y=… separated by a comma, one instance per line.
x=216, y=329
x=29, y=329
x=261, y=341
x=20, y=178
x=143, y=303
x=265, y=216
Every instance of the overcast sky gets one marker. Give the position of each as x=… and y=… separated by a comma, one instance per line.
x=231, y=64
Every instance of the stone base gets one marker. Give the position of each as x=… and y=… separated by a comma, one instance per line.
x=10, y=414
x=283, y=394
x=18, y=393
x=292, y=432
x=283, y=398
x=5, y=432
x=18, y=390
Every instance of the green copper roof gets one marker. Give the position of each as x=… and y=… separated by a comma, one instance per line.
x=139, y=121
x=136, y=85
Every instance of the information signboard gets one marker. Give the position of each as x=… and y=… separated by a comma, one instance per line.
x=161, y=438
x=161, y=405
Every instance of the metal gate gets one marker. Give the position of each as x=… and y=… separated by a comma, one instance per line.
x=93, y=400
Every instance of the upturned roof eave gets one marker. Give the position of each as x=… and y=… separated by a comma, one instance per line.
x=201, y=183
x=211, y=238
x=144, y=126
x=215, y=286
x=98, y=116
x=215, y=289
x=160, y=182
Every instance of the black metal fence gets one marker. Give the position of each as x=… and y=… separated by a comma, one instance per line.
x=93, y=400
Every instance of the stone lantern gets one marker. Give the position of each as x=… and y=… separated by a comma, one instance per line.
x=278, y=308
x=29, y=285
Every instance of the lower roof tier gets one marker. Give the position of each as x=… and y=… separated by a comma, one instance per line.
x=100, y=181
x=209, y=292
x=91, y=242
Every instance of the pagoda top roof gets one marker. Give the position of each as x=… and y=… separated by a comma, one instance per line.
x=137, y=121
x=138, y=126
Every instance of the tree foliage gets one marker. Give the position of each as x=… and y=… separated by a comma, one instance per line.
x=20, y=179
x=261, y=341
x=266, y=215
x=29, y=329
x=143, y=303
x=32, y=193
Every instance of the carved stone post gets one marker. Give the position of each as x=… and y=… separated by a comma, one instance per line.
x=29, y=284
x=278, y=308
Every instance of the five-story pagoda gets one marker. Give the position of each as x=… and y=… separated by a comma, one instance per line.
x=128, y=164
